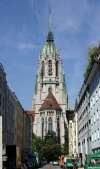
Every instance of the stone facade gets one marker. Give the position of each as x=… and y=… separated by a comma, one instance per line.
x=50, y=78
x=72, y=132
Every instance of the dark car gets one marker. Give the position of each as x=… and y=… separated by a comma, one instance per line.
x=32, y=165
x=29, y=165
x=23, y=166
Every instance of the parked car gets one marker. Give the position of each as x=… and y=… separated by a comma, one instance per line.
x=29, y=165
x=51, y=162
x=44, y=162
x=56, y=162
x=23, y=166
x=3, y=167
x=32, y=165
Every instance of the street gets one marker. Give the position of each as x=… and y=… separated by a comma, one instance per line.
x=50, y=166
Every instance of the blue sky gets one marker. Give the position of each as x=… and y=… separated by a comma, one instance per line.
x=23, y=30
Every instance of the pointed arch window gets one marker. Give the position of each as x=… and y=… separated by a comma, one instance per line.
x=50, y=124
x=43, y=69
x=49, y=68
x=42, y=122
x=56, y=68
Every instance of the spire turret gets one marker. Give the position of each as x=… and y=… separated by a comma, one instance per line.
x=50, y=37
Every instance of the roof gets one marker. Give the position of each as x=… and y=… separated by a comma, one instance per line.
x=50, y=103
x=69, y=114
x=31, y=112
x=49, y=48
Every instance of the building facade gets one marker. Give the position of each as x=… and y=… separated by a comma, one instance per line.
x=26, y=135
x=84, y=123
x=50, y=100
x=3, y=88
x=93, y=81
x=88, y=112
x=72, y=132
x=31, y=116
x=16, y=125
x=10, y=117
x=19, y=124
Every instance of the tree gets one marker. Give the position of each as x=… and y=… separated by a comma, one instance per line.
x=47, y=148
x=50, y=135
x=66, y=144
x=50, y=149
x=36, y=143
x=92, y=53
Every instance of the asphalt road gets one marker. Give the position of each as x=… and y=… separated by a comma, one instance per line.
x=50, y=166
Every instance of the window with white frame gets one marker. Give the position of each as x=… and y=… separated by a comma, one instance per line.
x=93, y=100
x=97, y=115
x=92, y=137
x=94, y=117
x=91, y=120
x=50, y=124
x=95, y=135
x=98, y=134
x=91, y=103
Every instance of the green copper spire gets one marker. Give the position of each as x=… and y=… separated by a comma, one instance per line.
x=50, y=34
x=49, y=48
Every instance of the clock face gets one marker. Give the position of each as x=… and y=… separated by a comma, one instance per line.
x=50, y=70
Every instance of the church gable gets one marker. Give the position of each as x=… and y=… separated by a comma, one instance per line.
x=50, y=103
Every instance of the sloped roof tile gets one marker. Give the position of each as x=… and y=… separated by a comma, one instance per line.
x=50, y=103
x=70, y=114
x=31, y=112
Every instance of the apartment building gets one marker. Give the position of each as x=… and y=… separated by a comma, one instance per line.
x=84, y=122
x=93, y=81
x=10, y=117
x=31, y=115
x=17, y=124
x=71, y=116
x=26, y=135
x=3, y=85
x=88, y=112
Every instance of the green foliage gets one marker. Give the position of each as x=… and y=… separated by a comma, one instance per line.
x=51, y=150
x=36, y=143
x=50, y=135
x=92, y=53
x=66, y=144
x=48, y=148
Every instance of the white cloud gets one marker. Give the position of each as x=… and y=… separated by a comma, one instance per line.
x=26, y=46
x=18, y=44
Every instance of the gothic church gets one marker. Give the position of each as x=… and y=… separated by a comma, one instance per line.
x=50, y=100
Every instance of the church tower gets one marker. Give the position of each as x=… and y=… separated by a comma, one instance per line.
x=50, y=100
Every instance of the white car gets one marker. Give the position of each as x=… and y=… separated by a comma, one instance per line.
x=55, y=162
